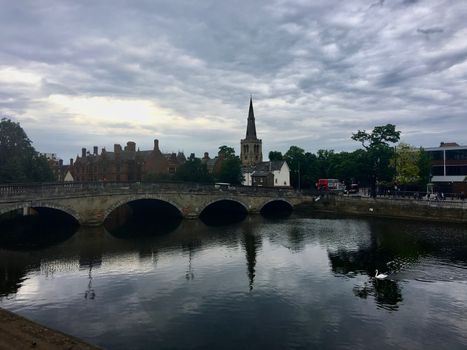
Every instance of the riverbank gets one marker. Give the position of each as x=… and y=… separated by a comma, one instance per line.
x=17, y=332
x=397, y=208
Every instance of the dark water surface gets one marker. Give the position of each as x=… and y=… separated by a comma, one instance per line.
x=259, y=284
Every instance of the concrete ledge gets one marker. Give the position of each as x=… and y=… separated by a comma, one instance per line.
x=17, y=332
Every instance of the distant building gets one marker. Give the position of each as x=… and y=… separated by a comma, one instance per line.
x=126, y=164
x=56, y=166
x=255, y=171
x=449, y=166
x=267, y=174
x=213, y=164
x=251, y=148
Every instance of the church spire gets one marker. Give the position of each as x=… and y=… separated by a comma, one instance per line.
x=251, y=128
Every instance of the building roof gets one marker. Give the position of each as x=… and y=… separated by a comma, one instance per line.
x=264, y=167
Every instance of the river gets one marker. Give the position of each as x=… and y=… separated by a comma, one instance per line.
x=299, y=282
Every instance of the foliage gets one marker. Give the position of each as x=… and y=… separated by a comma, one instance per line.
x=406, y=164
x=226, y=151
x=378, y=152
x=193, y=170
x=231, y=166
x=380, y=136
x=424, y=168
x=275, y=156
x=19, y=161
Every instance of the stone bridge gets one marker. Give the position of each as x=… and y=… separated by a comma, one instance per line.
x=91, y=203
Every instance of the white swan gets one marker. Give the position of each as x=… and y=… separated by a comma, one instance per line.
x=380, y=276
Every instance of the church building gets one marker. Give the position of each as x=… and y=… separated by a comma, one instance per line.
x=255, y=171
x=251, y=148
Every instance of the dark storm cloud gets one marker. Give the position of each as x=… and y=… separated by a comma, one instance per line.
x=318, y=71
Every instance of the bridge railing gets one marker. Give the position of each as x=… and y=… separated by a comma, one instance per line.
x=11, y=191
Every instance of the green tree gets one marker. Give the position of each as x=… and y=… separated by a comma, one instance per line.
x=193, y=170
x=19, y=161
x=226, y=151
x=231, y=167
x=424, y=165
x=406, y=164
x=378, y=152
x=295, y=158
x=275, y=156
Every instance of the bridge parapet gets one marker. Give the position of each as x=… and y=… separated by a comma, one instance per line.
x=48, y=190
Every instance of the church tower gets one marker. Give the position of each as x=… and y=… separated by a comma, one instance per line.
x=251, y=150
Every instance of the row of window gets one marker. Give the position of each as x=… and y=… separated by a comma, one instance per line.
x=455, y=154
x=450, y=170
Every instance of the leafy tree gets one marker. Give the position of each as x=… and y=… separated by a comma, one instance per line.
x=19, y=161
x=378, y=152
x=406, y=164
x=380, y=136
x=424, y=165
x=227, y=151
x=231, y=167
x=295, y=158
x=275, y=155
x=193, y=170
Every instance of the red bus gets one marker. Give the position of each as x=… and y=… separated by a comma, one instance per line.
x=329, y=184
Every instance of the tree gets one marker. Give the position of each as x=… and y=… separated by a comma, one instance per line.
x=275, y=156
x=406, y=164
x=19, y=161
x=226, y=151
x=295, y=158
x=193, y=170
x=378, y=151
x=231, y=167
x=380, y=136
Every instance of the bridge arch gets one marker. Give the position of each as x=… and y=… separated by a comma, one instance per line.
x=48, y=205
x=130, y=199
x=227, y=199
x=279, y=206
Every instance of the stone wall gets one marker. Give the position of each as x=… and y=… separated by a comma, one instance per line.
x=448, y=211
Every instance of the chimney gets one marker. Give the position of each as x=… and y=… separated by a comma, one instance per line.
x=71, y=161
x=83, y=152
x=156, y=145
x=206, y=155
x=60, y=163
x=95, y=150
x=131, y=146
x=117, y=148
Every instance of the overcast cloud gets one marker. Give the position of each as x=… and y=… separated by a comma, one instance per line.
x=83, y=73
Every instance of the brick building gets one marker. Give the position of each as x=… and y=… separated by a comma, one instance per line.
x=127, y=164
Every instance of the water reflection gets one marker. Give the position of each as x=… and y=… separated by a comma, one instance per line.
x=252, y=282
x=35, y=232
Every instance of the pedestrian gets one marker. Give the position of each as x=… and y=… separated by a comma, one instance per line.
x=462, y=196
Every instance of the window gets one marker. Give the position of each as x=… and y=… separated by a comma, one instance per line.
x=435, y=155
x=458, y=154
x=437, y=171
x=456, y=170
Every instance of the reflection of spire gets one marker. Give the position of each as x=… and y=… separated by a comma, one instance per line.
x=251, y=244
x=89, y=293
x=189, y=275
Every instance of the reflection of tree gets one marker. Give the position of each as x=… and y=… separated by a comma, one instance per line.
x=251, y=244
x=386, y=293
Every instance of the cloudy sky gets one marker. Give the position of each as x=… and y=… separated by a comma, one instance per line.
x=83, y=73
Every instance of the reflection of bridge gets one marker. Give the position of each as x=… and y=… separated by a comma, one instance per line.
x=91, y=203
